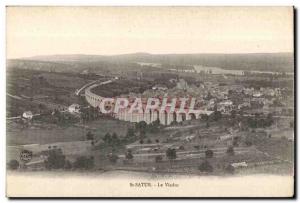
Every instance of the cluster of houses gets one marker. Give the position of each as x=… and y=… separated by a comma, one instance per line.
x=209, y=97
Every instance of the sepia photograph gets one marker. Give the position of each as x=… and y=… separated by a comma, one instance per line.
x=150, y=102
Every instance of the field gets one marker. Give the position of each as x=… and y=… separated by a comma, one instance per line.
x=38, y=90
x=47, y=133
x=42, y=134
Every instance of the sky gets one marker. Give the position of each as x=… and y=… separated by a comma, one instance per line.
x=32, y=31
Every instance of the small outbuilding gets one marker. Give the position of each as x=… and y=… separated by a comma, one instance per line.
x=74, y=108
x=27, y=115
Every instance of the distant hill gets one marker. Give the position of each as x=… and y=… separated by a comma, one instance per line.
x=261, y=61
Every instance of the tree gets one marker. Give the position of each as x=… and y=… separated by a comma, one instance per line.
x=204, y=117
x=269, y=120
x=142, y=133
x=157, y=141
x=217, y=115
x=181, y=147
x=13, y=164
x=89, y=136
x=171, y=154
x=154, y=126
x=230, y=151
x=197, y=147
x=115, y=139
x=129, y=155
x=141, y=125
x=233, y=114
x=141, y=141
x=235, y=141
x=156, y=123
x=208, y=97
x=205, y=167
x=107, y=138
x=209, y=153
x=55, y=159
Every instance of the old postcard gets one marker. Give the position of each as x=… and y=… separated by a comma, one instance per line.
x=150, y=101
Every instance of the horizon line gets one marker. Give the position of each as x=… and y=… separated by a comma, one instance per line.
x=132, y=53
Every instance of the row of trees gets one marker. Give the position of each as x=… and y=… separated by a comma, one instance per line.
x=138, y=132
x=142, y=128
x=171, y=154
x=149, y=141
x=257, y=122
x=57, y=160
x=89, y=114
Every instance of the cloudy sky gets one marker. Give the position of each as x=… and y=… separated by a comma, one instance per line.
x=117, y=30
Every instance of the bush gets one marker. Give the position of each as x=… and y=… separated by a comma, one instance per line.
x=13, y=164
x=205, y=167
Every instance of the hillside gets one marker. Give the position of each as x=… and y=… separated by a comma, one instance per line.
x=262, y=61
